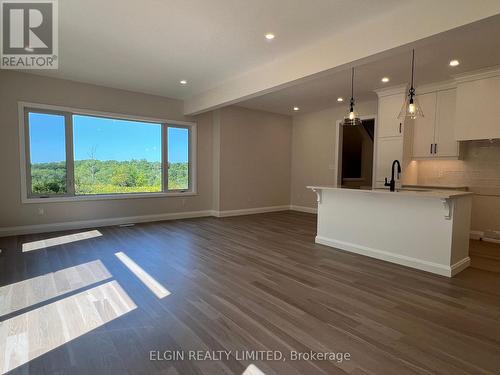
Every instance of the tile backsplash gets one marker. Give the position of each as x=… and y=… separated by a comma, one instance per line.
x=479, y=169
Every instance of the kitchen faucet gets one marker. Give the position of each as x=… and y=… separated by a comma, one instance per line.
x=392, y=183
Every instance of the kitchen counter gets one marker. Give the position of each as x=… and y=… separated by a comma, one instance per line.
x=437, y=187
x=420, y=228
x=411, y=192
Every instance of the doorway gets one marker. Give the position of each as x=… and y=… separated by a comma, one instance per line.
x=355, y=155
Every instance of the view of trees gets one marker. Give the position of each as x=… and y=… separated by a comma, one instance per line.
x=48, y=178
x=107, y=177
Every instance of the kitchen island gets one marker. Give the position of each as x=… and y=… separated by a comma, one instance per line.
x=424, y=229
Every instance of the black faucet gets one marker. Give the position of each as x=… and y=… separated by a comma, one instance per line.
x=392, y=183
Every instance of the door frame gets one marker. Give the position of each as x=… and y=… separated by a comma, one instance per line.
x=337, y=162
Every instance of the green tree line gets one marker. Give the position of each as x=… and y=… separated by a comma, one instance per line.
x=107, y=177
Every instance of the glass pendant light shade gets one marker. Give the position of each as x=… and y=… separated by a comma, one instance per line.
x=352, y=118
x=411, y=109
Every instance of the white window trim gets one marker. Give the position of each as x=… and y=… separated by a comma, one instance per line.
x=23, y=144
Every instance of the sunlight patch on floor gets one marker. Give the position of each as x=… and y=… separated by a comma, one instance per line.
x=36, y=332
x=61, y=240
x=252, y=370
x=38, y=289
x=142, y=275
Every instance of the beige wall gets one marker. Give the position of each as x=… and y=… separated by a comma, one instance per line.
x=255, y=152
x=480, y=171
x=243, y=155
x=16, y=87
x=313, y=150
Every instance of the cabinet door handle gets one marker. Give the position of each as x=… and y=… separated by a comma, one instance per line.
x=435, y=148
x=431, y=147
x=400, y=124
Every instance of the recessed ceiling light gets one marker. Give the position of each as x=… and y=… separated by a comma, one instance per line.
x=183, y=82
x=340, y=99
x=385, y=79
x=454, y=63
x=269, y=36
x=296, y=109
x=29, y=49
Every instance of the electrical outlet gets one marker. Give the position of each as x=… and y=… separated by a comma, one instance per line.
x=41, y=211
x=183, y=202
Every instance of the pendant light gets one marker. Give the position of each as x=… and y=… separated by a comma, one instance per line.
x=411, y=109
x=352, y=118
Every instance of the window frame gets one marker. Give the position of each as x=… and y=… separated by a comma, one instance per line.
x=27, y=196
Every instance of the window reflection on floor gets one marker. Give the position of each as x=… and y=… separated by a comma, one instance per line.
x=26, y=293
x=142, y=275
x=61, y=240
x=252, y=370
x=36, y=332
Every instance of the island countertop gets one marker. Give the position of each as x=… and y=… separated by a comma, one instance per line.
x=418, y=193
x=425, y=229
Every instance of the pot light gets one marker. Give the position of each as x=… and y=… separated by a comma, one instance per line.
x=385, y=79
x=29, y=49
x=296, y=109
x=454, y=63
x=183, y=82
x=340, y=99
x=269, y=36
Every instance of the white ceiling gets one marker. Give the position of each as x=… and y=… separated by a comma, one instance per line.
x=475, y=45
x=149, y=45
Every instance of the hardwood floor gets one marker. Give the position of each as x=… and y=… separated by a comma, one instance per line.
x=485, y=255
x=244, y=283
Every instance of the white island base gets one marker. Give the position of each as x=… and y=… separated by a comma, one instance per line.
x=427, y=230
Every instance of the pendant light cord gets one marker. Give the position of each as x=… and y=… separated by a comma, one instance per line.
x=412, y=66
x=352, y=92
x=352, y=84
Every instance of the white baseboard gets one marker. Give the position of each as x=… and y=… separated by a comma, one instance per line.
x=311, y=210
x=432, y=267
x=460, y=266
x=250, y=211
x=70, y=225
x=476, y=234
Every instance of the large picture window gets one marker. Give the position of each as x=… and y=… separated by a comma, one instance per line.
x=75, y=154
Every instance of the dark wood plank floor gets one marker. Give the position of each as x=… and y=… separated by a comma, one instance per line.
x=247, y=283
x=485, y=255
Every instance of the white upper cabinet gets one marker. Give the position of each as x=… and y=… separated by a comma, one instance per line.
x=388, y=124
x=445, y=140
x=478, y=109
x=423, y=127
x=434, y=134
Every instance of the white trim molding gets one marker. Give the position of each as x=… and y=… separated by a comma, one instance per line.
x=95, y=223
x=250, y=211
x=436, y=268
x=478, y=74
x=83, y=224
x=71, y=196
x=309, y=210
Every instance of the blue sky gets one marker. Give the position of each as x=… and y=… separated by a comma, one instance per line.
x=108, y=139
